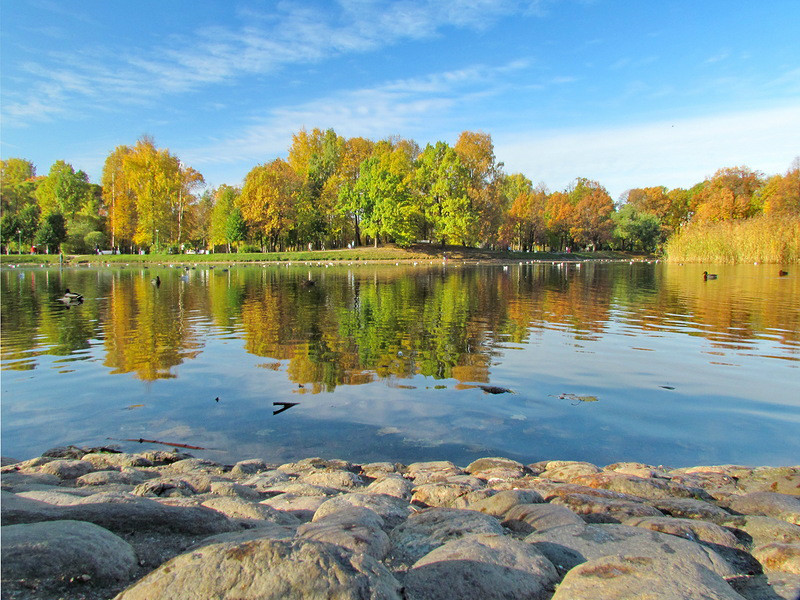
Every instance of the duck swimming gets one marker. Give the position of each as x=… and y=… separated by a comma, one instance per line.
x=707, y=276
x=783, y=273
x=156, y=282
x=71, y=297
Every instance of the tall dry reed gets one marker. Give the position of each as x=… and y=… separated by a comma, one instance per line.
x=763, y=239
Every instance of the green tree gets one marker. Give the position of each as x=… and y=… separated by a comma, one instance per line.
x=17, y=184
x=235, y=227
x=224, y=203
x=52, y=232
x=636, y=229
x=64, y=190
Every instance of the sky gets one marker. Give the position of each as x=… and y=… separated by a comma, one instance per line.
x=632, y=93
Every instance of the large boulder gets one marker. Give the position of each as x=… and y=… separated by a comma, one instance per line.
x=432, y=527
x=267, y=569
x=770, y=504
x=643, y=577
x=571, y=545
x=59, y=551
x=481, y=567
x=393, y=510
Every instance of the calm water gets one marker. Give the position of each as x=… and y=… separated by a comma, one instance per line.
x=607, y=362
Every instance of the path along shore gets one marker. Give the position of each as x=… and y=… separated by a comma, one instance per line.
x=90, y=524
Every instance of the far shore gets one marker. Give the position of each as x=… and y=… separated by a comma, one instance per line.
x=381, y=254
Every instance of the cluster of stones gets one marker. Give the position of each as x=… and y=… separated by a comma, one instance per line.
x=87, y=524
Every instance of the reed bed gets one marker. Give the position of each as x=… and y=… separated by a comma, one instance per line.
x=762, y=239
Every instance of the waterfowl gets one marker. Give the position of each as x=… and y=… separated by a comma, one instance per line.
x=156, y=282
x=783, y=273
x=71, y=296
x=707, y=276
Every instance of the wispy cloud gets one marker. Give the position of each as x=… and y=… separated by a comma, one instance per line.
x=675, y=153
x=264, y=43
x=404, y=105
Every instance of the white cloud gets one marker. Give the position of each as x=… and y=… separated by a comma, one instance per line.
x=675, y=153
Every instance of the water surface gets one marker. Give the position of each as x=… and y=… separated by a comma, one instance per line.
x=607, y=362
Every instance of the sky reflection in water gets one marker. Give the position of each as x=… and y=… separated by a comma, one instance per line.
x=683, y=371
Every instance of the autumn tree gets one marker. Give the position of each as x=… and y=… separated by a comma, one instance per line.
x=17, y=184
x=729, y=194
x=270, y=201
x=781, y=194
x=527, y=216
x=476, y=151
x=558, y=217
x=592, y=207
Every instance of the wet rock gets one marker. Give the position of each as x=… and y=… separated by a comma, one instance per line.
x=266, y=569
x=252, y=513
x=196, y=465
x=632, y=575
x=781, y=506
x=688, y=508
x=391, y=509
x=302, y=507
x=310, y=465
x=162, y=457
x=432, y=527
x=779, y=557
x=165, y=488
x=58, y=551
x=636, y=469
x=358, y=529
x=481, y=566
x=228, y=488
x=527, y=518
x=67, y=468
x=653, y=489
x=500, y=503
x=393, y=485
x=603, y=510
x=571, y=545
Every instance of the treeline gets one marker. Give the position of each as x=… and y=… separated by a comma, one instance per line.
x=333, y=192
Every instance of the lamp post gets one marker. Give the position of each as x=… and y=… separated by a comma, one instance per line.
x=19, y=241
x=156, y=240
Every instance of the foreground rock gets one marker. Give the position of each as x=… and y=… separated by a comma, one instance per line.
x=91, y=525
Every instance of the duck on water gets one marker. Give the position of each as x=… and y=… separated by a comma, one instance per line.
x=707, y=276
x=71, y=297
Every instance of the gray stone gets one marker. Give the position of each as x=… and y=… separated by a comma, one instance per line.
x=497, y=469
x=268, y=569
x=56, y=496
x=439, y=494
x=779, y=557
x=643, y=577
x=250, y=512
x=646, y=488
x=757, y=531
x=165, y=488
x=636, y=469
x=302, y=507
x=196, y=465
x=550, y=490
x=392, y=510
x=266, y=481
x=571, y=545
x=67, y=468
x=62, y=550
x=690, y=529
x=249, y=467
x=567, y=471
x=784, y=480
x=781, y=506
x=500, y=503
x=392, y=485
x=7, y=460
x=229, y=488
x=432, y=527
x=604, y=510
x=349, y=514
x=310, y=465
x=97, y=478
x=526, y=518
x=299, y=488
x=265, y=531
x=104, y=460
x=354, y=536
x=340, y=480
x=688, y=508
x=378, y=470
x=120, y=513
x=481, y=567
x=433, y=471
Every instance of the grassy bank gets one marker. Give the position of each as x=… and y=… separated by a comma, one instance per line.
x=387, y=253
x=765, y=239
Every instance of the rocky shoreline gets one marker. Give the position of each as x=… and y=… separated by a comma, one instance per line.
x=91, y=524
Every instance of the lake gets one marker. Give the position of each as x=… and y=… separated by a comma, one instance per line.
x=604, y=361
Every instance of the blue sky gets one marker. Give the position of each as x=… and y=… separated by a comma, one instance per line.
x=630, y=93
